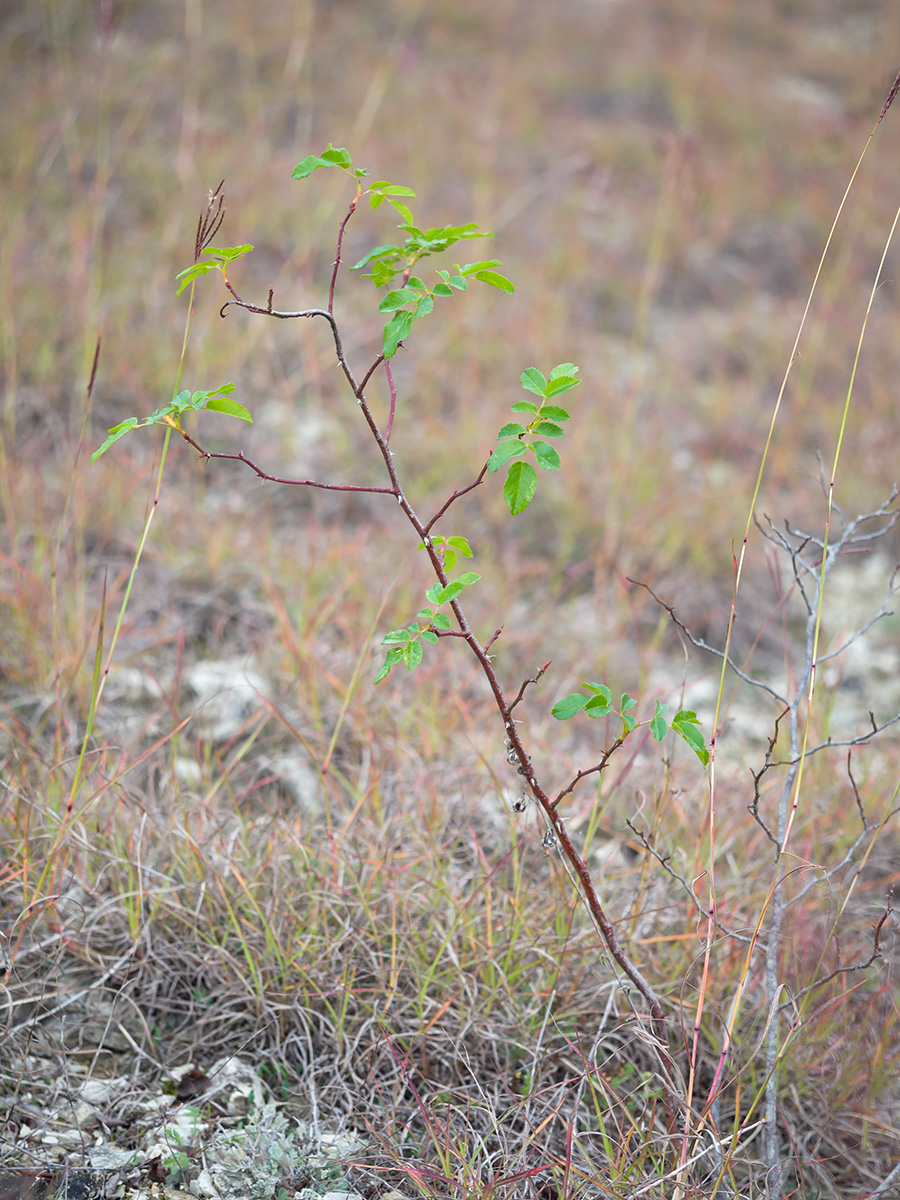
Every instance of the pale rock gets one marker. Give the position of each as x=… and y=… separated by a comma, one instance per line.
x=203, y=1185
x=228, y=694
x=238, y=1078
x=112, y=1158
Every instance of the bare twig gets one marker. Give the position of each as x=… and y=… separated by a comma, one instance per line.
x=595, y=770
x=700, y=644
x=313, y=483
x=876, y=954
x=340, y=241
x=533, y=679
x=456, y=495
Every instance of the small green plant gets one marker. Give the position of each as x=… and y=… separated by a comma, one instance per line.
x=267, y=1155
x=175, y=1165
x=180, y=1137
x=524, y=447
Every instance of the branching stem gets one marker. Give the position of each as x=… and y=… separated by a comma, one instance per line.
x=505, y=707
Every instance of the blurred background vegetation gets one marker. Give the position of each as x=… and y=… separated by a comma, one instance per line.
x=660, y=176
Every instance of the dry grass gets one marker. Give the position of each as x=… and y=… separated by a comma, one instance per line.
x=661, y=178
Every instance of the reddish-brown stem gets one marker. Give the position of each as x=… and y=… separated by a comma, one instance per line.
x=371, y=371
x=534, y=679
x=242, y=457
x=337, y=257
x=491, y=640
x=601, y=766
x=456, y=495
x=517, y=747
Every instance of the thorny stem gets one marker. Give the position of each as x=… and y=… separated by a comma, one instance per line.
x=600, y=766
x=242, y=457
x=493, y=639
x=393, y=390
x=340, y=242
x=534, y=678
x=456, y=495
x=505, y=707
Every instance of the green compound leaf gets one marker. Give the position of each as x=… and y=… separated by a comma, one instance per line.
x=520, y=486
x=395, y=331
x=214, y=258
x=396, y=635
x=395, y=300
x=337, y=157
x=569, y=706
x=685, y=723
x=450, y=592
x=496, y=280
x=553, y=413
x=231, y=408
x=546, y=455
x=455, y=586
x=533, y=381
x=549, y=429
x=658, y=725
x=332, y=157
x=180, y=402
x=401, y=209
x=390, y=660
x=598, y=706
x=373, y=256
x=218, y=400
x=390, y=189
x=451, y=547
x=433, y=241
x=557, y=386
x=412, y=655
x=384, y=271
x=503, y=453
x=117, y=431
x=473, y=268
